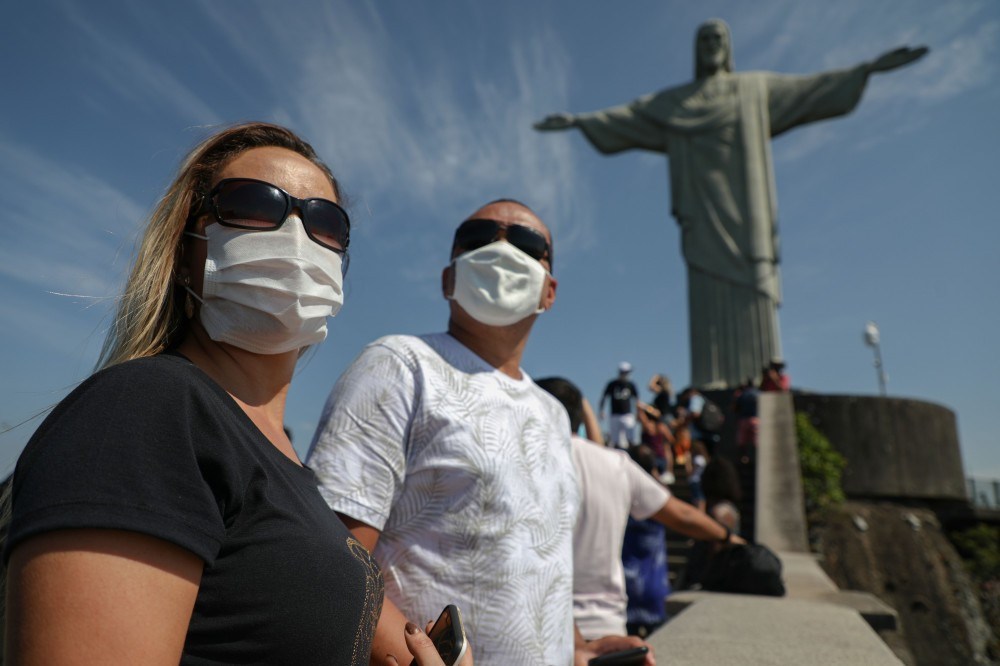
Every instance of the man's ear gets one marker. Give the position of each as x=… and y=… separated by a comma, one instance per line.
x=549, y=292
x=448, y=281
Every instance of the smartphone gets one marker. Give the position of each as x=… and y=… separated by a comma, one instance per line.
x=448, y=635
x=631, y=657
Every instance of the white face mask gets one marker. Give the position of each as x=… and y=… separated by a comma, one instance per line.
x=268, y=292
x=498, y=284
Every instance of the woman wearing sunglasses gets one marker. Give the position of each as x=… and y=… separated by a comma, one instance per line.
x=160, y=513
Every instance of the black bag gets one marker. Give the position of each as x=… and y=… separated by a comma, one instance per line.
x=711, y=417
x=744, y=569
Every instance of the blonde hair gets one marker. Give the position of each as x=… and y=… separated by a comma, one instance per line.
x=150, y=316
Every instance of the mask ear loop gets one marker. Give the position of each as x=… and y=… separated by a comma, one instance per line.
x=189, y=298
x=191, y=295
x=188, y=303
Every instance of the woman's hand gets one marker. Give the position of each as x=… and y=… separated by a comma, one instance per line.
x=424, y=653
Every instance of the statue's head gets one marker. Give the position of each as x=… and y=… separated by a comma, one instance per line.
x=713, y=48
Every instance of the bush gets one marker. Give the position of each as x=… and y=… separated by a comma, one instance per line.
x=822, y=466
x=980, y=548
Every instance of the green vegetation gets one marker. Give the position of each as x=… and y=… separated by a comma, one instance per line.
x=822, y=467
x=980, y=548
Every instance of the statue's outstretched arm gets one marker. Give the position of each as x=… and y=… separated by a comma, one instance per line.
x=896, y=58
x=556, y=121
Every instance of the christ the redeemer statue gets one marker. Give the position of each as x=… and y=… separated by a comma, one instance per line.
x=716, y=132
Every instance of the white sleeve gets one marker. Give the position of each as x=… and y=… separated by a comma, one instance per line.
x=359, y=450
x=648, y=496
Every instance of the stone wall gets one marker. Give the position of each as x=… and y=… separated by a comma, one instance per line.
x=895, y=447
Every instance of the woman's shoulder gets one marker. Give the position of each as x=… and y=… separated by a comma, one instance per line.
x=134, y=390
x=162, y=376
x=149, y=411
x=127, y=450
x=160, y=367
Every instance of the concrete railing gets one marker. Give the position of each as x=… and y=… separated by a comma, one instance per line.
x=815, y=622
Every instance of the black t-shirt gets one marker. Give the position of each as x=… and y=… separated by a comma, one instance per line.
x=746, y=402
x=155, y=446
x=622, y=394
x=664, y=402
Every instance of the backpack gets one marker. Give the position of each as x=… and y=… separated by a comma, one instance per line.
x=744, y=569
x=711, y=417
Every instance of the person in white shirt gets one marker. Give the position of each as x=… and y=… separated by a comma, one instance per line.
x=454, y=468
x=614, y=487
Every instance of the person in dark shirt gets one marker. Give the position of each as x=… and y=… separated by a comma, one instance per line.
x=774, y=378
x=663, y=395
x=160, y=513
x=747, y=424
x=623, y=396
x=692, y=408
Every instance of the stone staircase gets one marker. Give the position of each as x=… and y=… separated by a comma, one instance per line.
x=746, y=467
x=678, y=545
x=745, y=462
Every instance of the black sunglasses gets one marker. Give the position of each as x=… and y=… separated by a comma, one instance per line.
x=476, y=233
x=255, y=205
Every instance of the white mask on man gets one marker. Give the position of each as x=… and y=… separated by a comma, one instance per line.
x=269, y=292
x=498, y=284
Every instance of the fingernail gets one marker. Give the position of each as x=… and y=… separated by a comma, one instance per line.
x=412, y=628
x=391, y=658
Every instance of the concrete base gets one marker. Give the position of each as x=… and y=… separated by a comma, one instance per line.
x=738, y=629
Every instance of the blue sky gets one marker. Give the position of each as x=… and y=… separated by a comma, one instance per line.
x=424, y=111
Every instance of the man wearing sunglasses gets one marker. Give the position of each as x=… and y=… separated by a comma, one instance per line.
x=450, y=465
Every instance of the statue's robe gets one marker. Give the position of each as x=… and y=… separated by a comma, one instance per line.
x=716, y=132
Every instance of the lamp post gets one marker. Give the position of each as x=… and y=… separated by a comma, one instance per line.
x=872, y=340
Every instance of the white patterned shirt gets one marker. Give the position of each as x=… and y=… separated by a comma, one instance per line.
x=468, y=473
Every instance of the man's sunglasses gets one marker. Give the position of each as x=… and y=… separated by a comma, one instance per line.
x=476, y=233
x=255, y=205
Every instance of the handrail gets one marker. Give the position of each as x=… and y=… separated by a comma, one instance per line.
x=983, y=493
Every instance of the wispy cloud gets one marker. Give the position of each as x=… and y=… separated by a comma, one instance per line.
x=58, y=324
x=404, y=132
x=63, y=227
x=128, y=70
x=795, y=146
x=964, y=45
x=963, y=63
